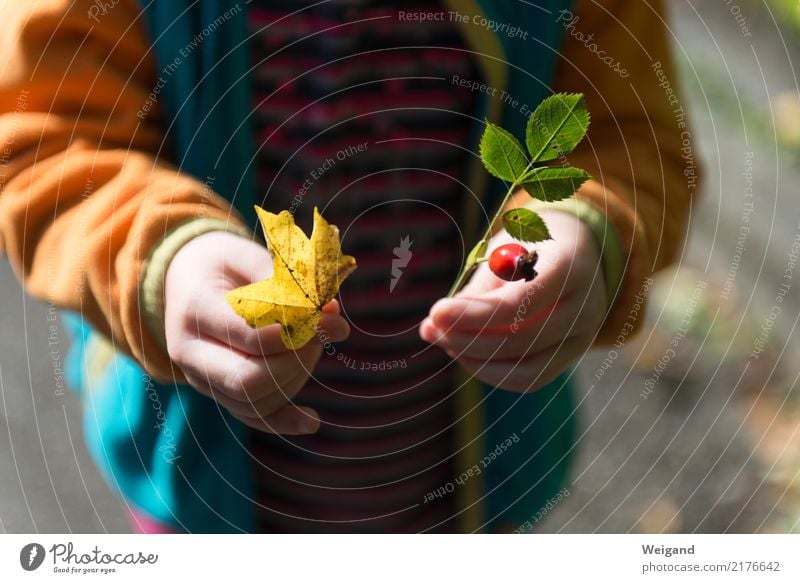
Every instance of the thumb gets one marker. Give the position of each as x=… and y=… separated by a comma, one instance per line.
x=493, y=308
x=481, y=282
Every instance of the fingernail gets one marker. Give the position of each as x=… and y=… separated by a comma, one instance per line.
x=431, y=333
x=425, y=332
x=307, y=426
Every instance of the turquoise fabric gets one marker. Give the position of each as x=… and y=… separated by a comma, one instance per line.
x=203, y=57
x=172, y=452
x=521, y=480
x=166, y=449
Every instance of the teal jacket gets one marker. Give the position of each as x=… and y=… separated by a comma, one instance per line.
x=173, y=453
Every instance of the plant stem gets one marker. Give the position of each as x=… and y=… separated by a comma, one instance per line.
x=471, y=263
x=462, y=279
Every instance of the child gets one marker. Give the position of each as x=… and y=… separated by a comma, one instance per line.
x=139, y=135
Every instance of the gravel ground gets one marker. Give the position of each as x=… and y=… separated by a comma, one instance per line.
x=696, y=454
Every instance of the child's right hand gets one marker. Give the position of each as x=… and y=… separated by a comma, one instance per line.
x=247, y=371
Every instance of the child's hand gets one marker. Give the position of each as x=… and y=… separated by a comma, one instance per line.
x=249, y=372
x=521, y=335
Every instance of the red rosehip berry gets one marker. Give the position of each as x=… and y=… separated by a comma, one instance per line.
x=513, y=262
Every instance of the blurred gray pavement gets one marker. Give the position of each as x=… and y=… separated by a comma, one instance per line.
x=48, y=483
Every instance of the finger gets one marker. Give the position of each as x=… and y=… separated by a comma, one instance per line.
x=266, y=341
x=223, y=324
x=246, y=259
x=262, y=407
x=532, y=372
x=482, y=281
x=248, y=378
x=289, y=420
x=497, y=308
x=336, y=327
x=520, y=339
x=428, y=331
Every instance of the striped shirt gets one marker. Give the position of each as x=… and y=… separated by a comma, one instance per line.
x=356, y=113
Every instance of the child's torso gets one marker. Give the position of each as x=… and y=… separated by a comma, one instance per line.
x=356, y=113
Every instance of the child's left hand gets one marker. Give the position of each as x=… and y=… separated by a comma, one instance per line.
x=521, y=335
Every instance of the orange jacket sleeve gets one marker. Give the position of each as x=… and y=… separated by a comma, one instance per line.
x=85, y=193
x=639, y=145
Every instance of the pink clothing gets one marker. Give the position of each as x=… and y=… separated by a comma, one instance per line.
x=143, y=524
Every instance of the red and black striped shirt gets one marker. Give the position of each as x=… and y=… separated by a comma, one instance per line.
x=356, y=113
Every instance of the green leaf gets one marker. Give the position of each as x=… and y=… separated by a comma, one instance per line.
x=551, y=184
x=525, y=225
x=502, y=154
x=557, y=126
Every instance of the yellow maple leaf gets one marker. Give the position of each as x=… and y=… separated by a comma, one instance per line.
x=306, y=275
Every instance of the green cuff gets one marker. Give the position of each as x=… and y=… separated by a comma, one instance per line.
x=151, y=285
x=610, y=245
